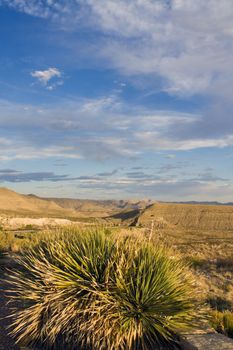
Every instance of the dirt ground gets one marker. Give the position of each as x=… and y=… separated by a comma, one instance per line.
x=6, y=342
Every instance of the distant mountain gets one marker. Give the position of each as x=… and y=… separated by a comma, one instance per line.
x=99, y=208
x=13, y=202
x=20, y=204
x=205, y=202
x=202, y=215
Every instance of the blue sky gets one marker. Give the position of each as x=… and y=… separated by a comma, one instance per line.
x=117, y=98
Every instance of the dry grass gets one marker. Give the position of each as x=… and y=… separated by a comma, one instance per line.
x=209, y=253
x=11, y=241
x=203, y=235
x=222, y=322
x=188, y=216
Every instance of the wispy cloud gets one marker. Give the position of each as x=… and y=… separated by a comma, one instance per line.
x=180, y=49
x=107, y=174
x=178, y=40
x=32, y=7
x=144, y=185
x=28, y=151
x=103, y=128
x=129, y=185
x=9, y=175
x=176, y=45
x=140, y=175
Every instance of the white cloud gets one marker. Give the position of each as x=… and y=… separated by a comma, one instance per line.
x=99, y=129
x=153, y=140
x=32, y=7
x=45, y=76
x=187, y=43
x=28, y=152
x=182, y=47
x=177, y=190
x=4, y=141
x=163, y=188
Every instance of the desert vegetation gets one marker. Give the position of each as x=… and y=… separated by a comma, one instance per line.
x=98, y=290
x=222, y=322
x=202, y=246
x=17, y=241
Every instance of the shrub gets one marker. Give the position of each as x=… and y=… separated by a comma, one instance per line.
x=228, y=323
x=86, y=290
x=225, y=263
x=222, y=322
x=2, y=255
x=220, y=304
x=196, y=262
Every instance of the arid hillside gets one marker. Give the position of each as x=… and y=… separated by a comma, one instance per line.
x=187, y=216
x=100, y=208
x=15, y=203
x=142, y=213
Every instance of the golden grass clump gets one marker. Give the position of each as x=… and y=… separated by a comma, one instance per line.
x=222, y=322
x=88, y=290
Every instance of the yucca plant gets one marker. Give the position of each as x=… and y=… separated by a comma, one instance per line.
x=87, y=290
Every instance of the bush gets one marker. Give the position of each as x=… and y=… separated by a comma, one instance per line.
x=87, y=290
x=219, y=303
x=222, y=322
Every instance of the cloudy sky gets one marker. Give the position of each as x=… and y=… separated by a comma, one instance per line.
x=117, y=98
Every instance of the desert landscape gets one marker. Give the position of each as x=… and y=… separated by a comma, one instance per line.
x=116, y=175
x=200, y=235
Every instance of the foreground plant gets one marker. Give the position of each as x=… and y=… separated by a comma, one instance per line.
x=87, y=290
